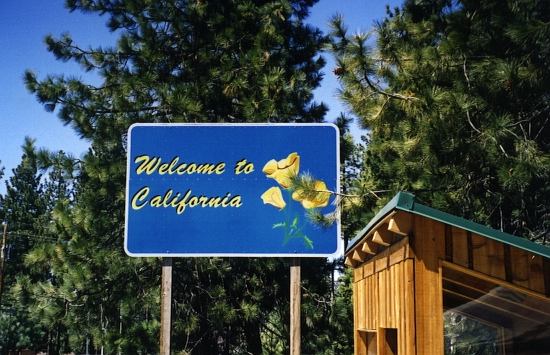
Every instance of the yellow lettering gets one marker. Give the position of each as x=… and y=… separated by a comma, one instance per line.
x=243, y=166
x=149, y=166
x=191, y=168
x=225, y=200
x=146, y=164
x=214, y=202
x=166, y=197
x=203, y=201
x=180, y=170
x=179, y=203
x=220, y=168
x=175, y=201
x=156, y=201
x=236, y=201
x=205, y=169
x=193, y=201
x=173, y=163
x=182, y=204
x=163, y=168
x=140, y=196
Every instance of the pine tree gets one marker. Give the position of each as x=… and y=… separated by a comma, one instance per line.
x=455, y=97
x=23, y=209
x=199, y=61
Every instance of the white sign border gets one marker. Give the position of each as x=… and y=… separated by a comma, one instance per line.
x=339, y=239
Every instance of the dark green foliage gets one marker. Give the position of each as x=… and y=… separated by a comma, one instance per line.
x=17, y=329
x=455, y=97
x=198, y=61
x=24, y=209
x=203, y=61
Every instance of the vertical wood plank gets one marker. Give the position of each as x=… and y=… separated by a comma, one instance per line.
x=448, y=243
x=520, y=267
x=356, y=339
x=536, y=275
x=375, y=304
x=546, y=273
x=394, y=298
x=460, y=246
x=376, y=297
x=357, y=274
x=488, y=256
x=496, y=259
x=361, y=304
x=381, y=262
x=370, y=322
x=368, y=269
x=391, y=297
x=368, y=301
x=470, y=250
x=429, y=245
x=508, y=263
x=368, y=304
x=410, y=311
x=382, y=299
x=480, y=254
x=397, y=251
x=400, y=308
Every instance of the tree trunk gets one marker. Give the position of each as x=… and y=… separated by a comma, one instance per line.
x=253, y=340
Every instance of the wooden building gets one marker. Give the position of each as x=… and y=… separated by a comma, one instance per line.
x=426, y=282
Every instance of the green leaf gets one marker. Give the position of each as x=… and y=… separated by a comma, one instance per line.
x=294, y=222
x=308, y=242
x=279, y=225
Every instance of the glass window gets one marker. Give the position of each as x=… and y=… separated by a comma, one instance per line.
x=487, y=318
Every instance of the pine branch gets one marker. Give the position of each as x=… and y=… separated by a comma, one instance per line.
x=385, y=93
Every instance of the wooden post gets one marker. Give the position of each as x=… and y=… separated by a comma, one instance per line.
x=165, y=306
x=295, y=303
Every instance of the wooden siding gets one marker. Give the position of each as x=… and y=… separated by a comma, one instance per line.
x=399, y=286
x=384, y=298
x=495, y=259
x=428, y=244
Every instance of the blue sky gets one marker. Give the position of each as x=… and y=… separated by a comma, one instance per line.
x=24, y=24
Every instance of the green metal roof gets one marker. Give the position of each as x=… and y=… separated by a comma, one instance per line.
x=405, y=201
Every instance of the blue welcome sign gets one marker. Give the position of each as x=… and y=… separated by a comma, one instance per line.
x=231, y=190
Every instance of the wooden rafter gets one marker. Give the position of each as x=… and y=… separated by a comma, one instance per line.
x=401, y=223
x=383, y=237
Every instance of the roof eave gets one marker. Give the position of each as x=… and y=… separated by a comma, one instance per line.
x=405, y=201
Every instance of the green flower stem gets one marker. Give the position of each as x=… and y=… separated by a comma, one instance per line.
x=291, y=225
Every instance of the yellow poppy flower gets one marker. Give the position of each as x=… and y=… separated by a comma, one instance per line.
x=274, y=196
x=320, y=199
x=284, y=170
